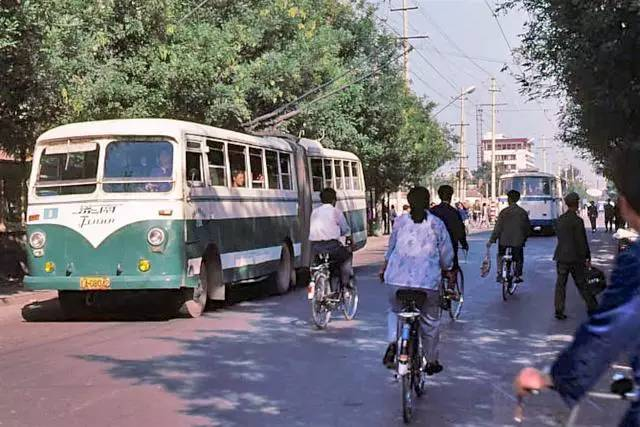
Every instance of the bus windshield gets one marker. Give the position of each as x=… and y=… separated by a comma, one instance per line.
x=138, y=166
x=68, y=169
x=528, y=185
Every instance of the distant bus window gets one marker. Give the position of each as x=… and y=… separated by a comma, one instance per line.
x=316, y=174
x=272, y=170
x=348, y=180
x=338, y=166
x=217, y=166
x=285, y=171
x=328, y=174
x=238, y=163
x=257, y=172
x=355, y=172
x=194, y=167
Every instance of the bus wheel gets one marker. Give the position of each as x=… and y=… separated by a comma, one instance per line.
x=283, y=277
x=194, y=300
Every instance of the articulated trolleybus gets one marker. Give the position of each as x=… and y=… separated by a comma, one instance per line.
x=149, y=204
x=540, y=195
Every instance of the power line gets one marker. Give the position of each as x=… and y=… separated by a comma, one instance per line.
x=424, y=82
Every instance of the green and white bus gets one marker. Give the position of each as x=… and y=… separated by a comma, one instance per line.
x=146, y=204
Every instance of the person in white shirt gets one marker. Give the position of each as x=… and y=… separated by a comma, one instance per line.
x=328, y=226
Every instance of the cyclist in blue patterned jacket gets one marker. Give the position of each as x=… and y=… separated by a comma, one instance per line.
x=614, y=328
x=419, y=249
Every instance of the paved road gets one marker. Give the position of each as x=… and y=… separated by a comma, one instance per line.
x=260, y=363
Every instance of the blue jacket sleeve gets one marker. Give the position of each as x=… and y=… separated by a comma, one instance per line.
x=611, y=330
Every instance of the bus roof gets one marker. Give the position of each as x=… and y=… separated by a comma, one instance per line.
x=314, y=148
x=529, y=173
x=176, y=129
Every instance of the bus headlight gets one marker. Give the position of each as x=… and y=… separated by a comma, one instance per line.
x=37, y=239
x=156, y=236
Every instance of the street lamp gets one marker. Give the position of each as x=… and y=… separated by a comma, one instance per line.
x=461, y=179
x=469, y=90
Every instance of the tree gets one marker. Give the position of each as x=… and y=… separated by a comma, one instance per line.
x=585, y=52
x=482, y=176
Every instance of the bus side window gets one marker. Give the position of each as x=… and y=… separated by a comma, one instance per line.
x=339, y=182
x=316, y=174
x=355, y=171
x=285, y=171
x=238, y=165
x=257, y=172
x=217, y=166
x=348, y=179
x=328, y=173
x=194, y=167
x=272, y=170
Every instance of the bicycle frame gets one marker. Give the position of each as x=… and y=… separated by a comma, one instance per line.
x=408, y=329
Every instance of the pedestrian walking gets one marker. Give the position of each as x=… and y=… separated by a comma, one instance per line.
x=592, y=213
x=393, y=215
x=609, y=215
x=572, y=256
x=484, y=216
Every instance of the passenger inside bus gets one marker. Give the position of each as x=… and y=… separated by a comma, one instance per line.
x=238, y=179
x=164, y=167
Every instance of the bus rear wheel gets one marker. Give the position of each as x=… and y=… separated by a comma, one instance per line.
x=194, y=300
x=284, y=275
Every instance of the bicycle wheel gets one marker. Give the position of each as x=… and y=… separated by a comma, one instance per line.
x=319, y=310
x=456, y=303
x=350, y=300
x=512, y=285
x=407, y=398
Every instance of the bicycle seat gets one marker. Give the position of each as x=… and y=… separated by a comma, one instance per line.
x=409, y=296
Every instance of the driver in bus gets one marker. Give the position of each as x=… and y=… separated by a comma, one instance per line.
x=328, y=225
x=164, y=169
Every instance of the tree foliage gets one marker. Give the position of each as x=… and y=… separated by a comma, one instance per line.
x=222, y=64
x=585, y=52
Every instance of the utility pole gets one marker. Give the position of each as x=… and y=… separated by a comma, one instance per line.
x=461, y=178
x=543, y=148
x=493, y=91
x=479, y=148
x=405, y=38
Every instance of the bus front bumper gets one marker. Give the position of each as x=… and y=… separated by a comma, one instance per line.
x=115, y=282
x=539, y=224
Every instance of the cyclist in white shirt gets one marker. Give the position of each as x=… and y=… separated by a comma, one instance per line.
x=328, y=226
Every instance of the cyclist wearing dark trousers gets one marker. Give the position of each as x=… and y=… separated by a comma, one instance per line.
x=452, y=220
x=511, y=230
x=612, y=330
x=328, y=225
x=419, y=250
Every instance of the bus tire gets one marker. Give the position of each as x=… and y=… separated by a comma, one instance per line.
x=194, y=300
x=283, y=277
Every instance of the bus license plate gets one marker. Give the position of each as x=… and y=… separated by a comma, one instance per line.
x=94, y=283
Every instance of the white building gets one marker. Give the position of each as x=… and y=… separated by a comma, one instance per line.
x=515, y=153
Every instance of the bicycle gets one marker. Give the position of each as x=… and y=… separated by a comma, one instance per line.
x=621, y=388
x=452, y=297
x=506, y=274
x=409, y=360
x=323, y=300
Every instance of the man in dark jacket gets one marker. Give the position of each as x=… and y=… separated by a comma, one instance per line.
x=511, y=230
x=452, y=220
x=592, y=213
x=609, y=215
x=573, y=256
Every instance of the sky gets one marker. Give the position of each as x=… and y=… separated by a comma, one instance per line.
x=464, y=48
